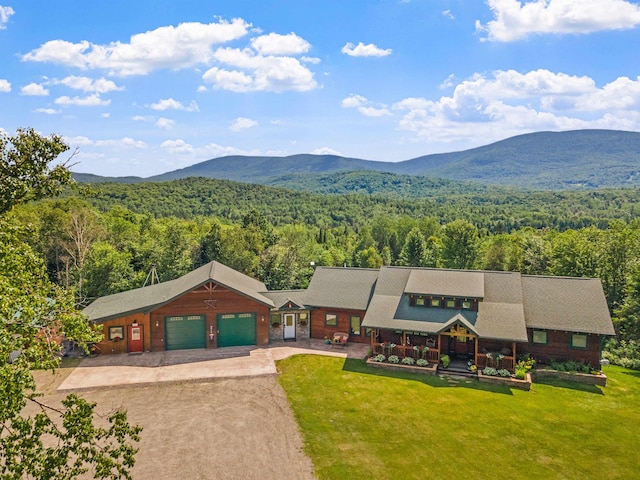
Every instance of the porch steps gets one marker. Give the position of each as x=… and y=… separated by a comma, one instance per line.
x=456, y=372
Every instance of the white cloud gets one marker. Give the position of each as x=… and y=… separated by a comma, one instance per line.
x=79, y=140
x=165, y=123
x=242, y=123
x=171, y=104
x=5, y=86
x=326, y=151
x=486, y=108
x=362, y=50
x=5, y=13
x=254, y=72
x=448, y=14
x=171, y=47
x=88, y=85
x=364, y=106
x=125, y=142
x=202, y=88
x=48, y=111
x=89, y=101
x=514, y=19
x=276, y=44
x=177, y=146
x=34, y=89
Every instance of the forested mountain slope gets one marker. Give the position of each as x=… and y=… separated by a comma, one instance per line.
x=579, y=159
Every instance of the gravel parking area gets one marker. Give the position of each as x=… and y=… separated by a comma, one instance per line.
x=231, y=428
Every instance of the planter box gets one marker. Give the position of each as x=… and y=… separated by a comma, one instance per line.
x=588, y=378
x=508, y=381
x=399, y=367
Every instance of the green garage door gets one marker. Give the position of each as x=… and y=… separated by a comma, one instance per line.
x=236, y=329
x=185, y=332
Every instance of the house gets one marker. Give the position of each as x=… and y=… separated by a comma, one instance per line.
x=481, y=316
x=486, y=317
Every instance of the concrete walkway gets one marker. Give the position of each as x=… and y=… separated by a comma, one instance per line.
x=194, y=365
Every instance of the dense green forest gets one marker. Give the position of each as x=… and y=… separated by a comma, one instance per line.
x=495, y=209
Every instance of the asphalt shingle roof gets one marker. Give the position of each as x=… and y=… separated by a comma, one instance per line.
x=151, y=297
x=566, y=303
x=346, y=288
x=456, y=283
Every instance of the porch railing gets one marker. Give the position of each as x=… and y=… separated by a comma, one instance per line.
x=386, y=349
x=483, y=361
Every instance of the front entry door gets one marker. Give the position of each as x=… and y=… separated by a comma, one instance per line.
x=289, y=326
x=136, y=345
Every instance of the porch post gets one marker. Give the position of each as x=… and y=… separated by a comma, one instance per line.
x=475, y=355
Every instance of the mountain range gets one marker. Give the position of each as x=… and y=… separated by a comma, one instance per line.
x=578, y=159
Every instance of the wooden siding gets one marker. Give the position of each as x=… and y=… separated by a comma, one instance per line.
x=320, y=330
x=558, y=348
x=219, y=301
x=121, y=346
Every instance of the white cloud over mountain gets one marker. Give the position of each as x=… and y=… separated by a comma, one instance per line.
x=508, y=102
x=515, y=20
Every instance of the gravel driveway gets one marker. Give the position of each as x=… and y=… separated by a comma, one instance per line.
x=235, y=428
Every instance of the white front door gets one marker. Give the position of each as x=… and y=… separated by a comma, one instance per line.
x=289, y=326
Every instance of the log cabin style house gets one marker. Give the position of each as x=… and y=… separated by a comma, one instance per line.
x=477, y=316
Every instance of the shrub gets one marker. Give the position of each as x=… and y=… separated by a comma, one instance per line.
x=394, y=359
x=526, y=361
x=490, y=371
x=422, y=362
x=408, y=361
x=626, y=353
x=445, y=360
x=504, y=372
x=379, y=358
x=521, y=373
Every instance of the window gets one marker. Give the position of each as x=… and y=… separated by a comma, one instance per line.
x=451, y=303
x=367, y=332
x=354, y=323
x=539, y=336
x=466, y=304
x=420, y=302
x=116, y=333
x=435, y=302
x=331, y=320
x=578, y=340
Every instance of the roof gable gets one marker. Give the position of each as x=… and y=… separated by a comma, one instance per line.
x=149, y=298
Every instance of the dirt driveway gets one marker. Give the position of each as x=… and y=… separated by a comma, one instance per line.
x=240, y=428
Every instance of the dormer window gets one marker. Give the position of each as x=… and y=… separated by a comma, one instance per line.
x=451, y=303
x=420, y=302
x=435, y=302
x=467, y=304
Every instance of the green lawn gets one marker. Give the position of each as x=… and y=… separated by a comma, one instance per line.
x=361, y=423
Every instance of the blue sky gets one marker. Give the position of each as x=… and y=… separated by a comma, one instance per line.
x=143, y=87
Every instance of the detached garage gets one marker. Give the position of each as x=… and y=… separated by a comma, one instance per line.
x=212, y=306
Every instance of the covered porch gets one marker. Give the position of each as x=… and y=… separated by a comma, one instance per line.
x=460, y=343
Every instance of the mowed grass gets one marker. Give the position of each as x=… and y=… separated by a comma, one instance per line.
x=361, y=423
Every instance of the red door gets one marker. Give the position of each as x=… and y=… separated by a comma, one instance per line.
x=136, y=345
